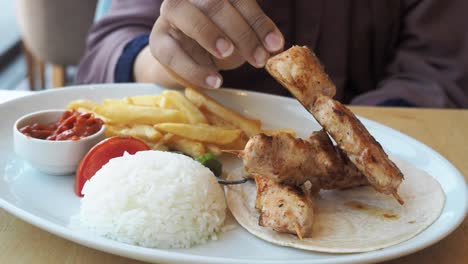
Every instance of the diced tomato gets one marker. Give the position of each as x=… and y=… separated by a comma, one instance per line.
x=72, y=125
x=101, y=153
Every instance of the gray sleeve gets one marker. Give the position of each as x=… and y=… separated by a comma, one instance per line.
x=107, y=38
x=430, y=64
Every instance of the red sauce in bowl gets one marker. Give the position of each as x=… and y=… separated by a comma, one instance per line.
x=72, y=125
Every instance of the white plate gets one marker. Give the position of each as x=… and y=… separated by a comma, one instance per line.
x=49, y=201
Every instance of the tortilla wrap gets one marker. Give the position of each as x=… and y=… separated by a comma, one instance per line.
x=353, y=220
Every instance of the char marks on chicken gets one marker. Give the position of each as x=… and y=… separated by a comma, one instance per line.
x=299, y=71
x=284, y=208
x=294, y=161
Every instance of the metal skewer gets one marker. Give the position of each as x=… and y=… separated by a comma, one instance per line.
x=226, y=182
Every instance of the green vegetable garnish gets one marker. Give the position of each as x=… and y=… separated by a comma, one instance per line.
x=210, y=161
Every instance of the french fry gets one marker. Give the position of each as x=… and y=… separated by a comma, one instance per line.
x=165, y=103
x=201, y=132
x=112, y=130
x=136, y=114
x=145, y=100
x=249, y=126
x=275, y=131
x=162, y=143
x=108, y=101
x=156, y=146
x=187, y=146
x=193, y=124
x=180, y=102
x=213, y=149
x=143, y=132
x=215, y=120
x=166, y=138
x=146, y=132
x=238, y=144
x=82, y=104
x=86, y=106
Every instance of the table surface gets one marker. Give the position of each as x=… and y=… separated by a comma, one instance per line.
x=443, y=130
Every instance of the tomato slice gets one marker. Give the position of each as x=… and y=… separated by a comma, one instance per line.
x=101, y=153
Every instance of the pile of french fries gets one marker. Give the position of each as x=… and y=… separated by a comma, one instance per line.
x=192, y=123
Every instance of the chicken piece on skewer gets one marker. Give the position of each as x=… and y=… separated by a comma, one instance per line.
x=348, y=176
x=284, y=208
x=299, y=71
x=294, y=161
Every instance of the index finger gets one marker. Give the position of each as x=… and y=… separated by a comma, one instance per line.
x=193, y=23
x=264, y=27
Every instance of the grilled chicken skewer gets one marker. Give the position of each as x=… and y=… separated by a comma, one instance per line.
x=284, y=208
x=281, y=165
x=293, y=161
x=299, y=71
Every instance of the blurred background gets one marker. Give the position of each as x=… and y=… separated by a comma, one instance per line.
x=41, y=41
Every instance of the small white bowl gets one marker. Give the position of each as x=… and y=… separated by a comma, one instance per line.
x=60, y=157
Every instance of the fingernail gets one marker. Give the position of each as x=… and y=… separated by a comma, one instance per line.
x=224, y=47
x=213, y=81
x=273, y=41
x=260, y=56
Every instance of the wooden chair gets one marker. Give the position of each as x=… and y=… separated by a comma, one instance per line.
x=53, y=32
x=35, y=70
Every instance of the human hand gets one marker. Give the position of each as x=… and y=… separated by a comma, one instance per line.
x=194, y=39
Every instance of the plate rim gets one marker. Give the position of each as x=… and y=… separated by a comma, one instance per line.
x=148, y=254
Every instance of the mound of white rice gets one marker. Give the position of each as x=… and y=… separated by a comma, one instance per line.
x=154, y=199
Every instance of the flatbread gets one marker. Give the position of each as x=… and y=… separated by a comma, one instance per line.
x=354, y=220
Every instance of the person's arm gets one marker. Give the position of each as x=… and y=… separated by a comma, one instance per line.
x=125, y=22
x=190, y=42
x=148, y=70
x=195, y=40
x=430, y=65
